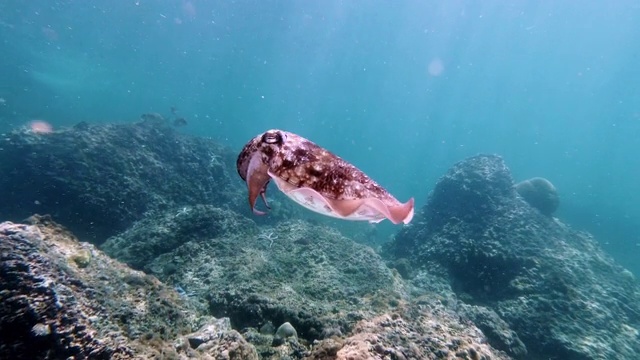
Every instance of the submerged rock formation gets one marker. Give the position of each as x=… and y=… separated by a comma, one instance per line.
x=537, y=288
x=310, y=276
x=99, y=179
x=337, y=296
x=61, y=298
x=479, y=274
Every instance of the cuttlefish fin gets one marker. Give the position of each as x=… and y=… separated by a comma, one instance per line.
x=345, y=208
x=401, y=213
x=395, y=213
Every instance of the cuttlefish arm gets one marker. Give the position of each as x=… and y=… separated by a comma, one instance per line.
x=257, y=181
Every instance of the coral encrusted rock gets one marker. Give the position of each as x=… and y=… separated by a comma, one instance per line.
x=97, y=180
x=53, y=306
x=536, y=287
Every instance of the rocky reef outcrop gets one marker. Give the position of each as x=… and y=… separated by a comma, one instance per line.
x=61, y=298
x=308, y=275
x=537, y=288
x=480, y=273
x=325, y=285
x=99, y=179
x=340, y=298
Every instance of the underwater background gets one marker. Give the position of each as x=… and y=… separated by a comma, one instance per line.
x=401, y=89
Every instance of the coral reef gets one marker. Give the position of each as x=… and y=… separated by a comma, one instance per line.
x=481, y=273
x=98, y=179
x=306, y=274
x=163, y=231
x=537, y=288
x=52, y=308
x=331, y=292
x=425, y=329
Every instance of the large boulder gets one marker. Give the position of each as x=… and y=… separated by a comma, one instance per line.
x=537, y=288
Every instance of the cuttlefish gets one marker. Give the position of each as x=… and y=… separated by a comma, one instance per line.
x=316, y=179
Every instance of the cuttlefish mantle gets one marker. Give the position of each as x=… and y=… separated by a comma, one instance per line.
x=316, y=179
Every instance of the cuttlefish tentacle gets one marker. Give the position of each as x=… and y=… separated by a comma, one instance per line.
x=316, y=179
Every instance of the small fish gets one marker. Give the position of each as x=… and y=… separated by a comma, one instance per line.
x=316, y=179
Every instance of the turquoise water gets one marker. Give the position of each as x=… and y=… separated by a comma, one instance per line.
x=402, y=89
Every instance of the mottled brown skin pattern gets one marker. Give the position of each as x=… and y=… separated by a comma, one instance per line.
x=302, y=163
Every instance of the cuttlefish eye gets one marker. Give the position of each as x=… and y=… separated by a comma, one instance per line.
x=273, y=137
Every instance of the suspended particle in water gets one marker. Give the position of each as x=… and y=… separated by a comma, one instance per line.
x=436, y=67
x=49, y=34
x=188, y=9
